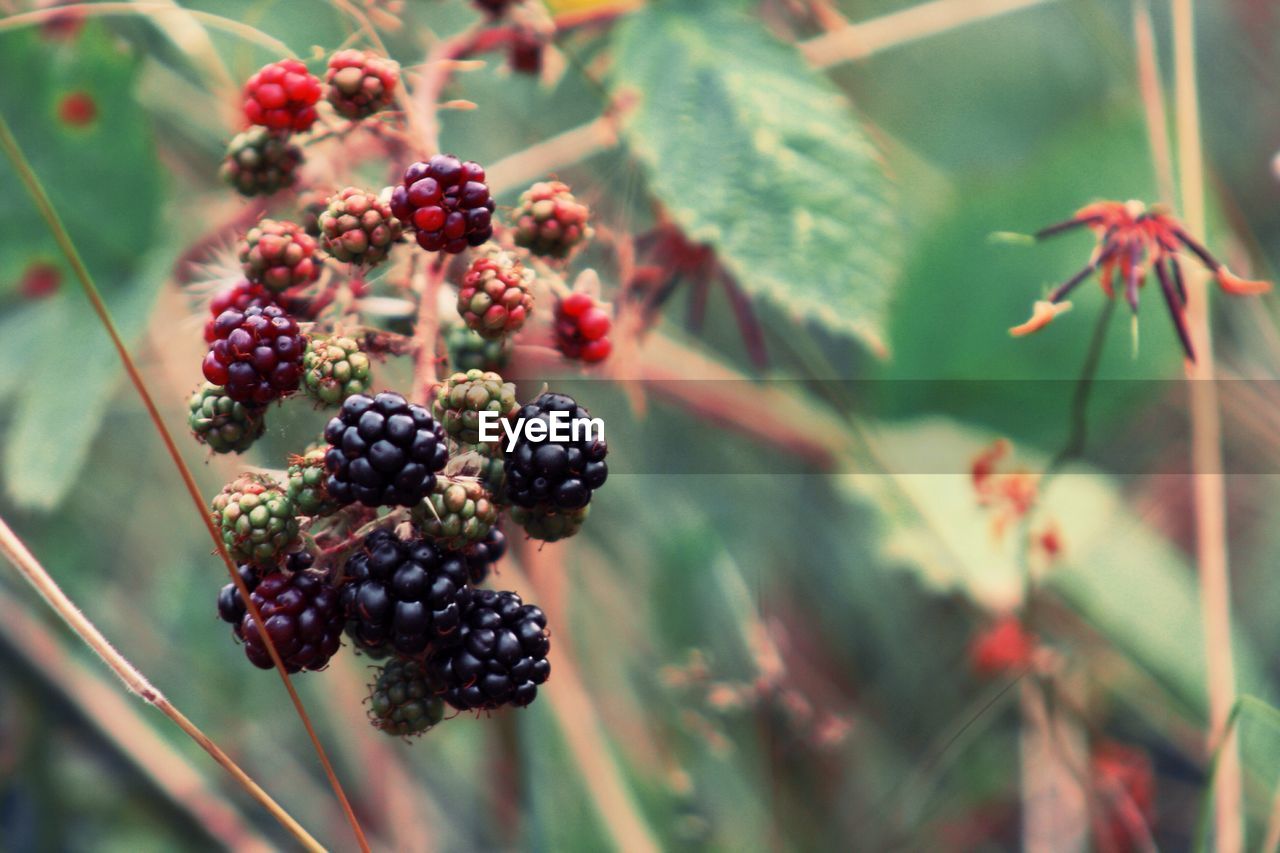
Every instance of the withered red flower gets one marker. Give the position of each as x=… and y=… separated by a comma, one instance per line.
x=1132, y=241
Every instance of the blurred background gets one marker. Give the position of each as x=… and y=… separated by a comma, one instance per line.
x=796, y=618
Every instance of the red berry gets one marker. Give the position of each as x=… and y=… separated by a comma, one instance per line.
x=282, y=96
x=77, y=109
x=550, y=222
x=361, y=83
x=1003, y=648
x=302, y=614
x=494, y=299
x=582, y=328
x=256, y=354
x=447, y=203
x=279, y=255
x=358, y=228
x=240, y=296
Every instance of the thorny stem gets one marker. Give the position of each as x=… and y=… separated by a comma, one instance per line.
x=45, y=207
x=29, y=567
x=1209, y=483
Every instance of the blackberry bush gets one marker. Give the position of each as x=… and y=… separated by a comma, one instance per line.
x=256, y=354
x=403, y=700
x=225, y=425
x=260, y=162
x=446, y=202
x=404, y=596
x=500, y=657
x=556, y=474
x=383, y=451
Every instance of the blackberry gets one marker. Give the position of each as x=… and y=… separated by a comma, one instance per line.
x=311, y=204
x=334, y=368
x=260, y=162
x=256, y=354
x=302, y=614
x=482, y=556
x=240, y=296
x=279, y=255
x=550, y=222
x=551, y=474
x=501, y=656
x=463, y=397
x=469, y=351
x=446, y=202
x=220, y=422
x=357, y=228
x=282, y=96
x=306, y=484
x=256, y=519
x=582, y=329
x=360, y=83
x=407, y=596
x=384, y=451
x=458, y=513
x=403, y=700
x=549, y=525
x=230, y=605
x=495, y=298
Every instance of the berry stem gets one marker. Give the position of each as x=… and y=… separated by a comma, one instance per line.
x=9, y=144
x=426, y=330
x=35, y=574
x=1209, y=483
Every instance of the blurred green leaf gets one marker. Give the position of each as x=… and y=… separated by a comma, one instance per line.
x=101, y=176
x=759, y=156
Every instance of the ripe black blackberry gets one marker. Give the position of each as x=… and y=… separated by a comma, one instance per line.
x=482, y=555
x=404, y=595
x=231, y=607
x=556, y=474
x=256, y=354
x=302, y=613
x=384, y=451
x=501, y=656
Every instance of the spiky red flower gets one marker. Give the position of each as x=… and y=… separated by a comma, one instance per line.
x=1133, y=240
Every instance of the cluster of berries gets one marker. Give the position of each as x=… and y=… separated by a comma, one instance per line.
x=386, y=531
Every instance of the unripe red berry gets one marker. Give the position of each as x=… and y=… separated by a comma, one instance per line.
x=582, y=328
x=256, y=354
x=279, y=255
x=446, y=202
x=282, y=96
x=240, y=296
x=494, y=299
x=361, y=83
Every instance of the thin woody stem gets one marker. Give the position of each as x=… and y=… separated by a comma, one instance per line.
x=9, y=144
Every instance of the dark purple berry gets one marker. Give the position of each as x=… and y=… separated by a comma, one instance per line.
x=500, y=657
x=383, y=451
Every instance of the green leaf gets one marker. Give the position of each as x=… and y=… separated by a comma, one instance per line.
x=103, y=181
x=757, y=155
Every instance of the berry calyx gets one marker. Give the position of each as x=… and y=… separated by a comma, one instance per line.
x=279, y=255
x=282, y=96
x=463, y=397
x=550, y=222
x=403, y=700
x=469, y=351
x=383, y=451
x=407, y=596
x=556, y=474
x=549, y=525
x=458, y=513
x=360, y=84
x=357, y=228
x=303, y=615
x=335, y=368
x=495, y=298
x=501, y=656
x=305, y=484
x=239, y=296
x=260, y=162
x=256, y=354
x=256, y=519
x=446, y=202
x=582, y=329
x=220, y=422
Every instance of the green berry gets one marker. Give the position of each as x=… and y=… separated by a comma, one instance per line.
x=457, y=513
x=334, y=368
x=260, y=162
x=547, y=524
x=403, y=700
x=469, y=351
x=462, y=398
x=306, y=484
x=222, y=423
x=256, y=519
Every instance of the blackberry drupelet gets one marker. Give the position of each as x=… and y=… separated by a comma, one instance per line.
x=404, y=595
x=482, y=556
x=500, y=657
x=384, y=451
